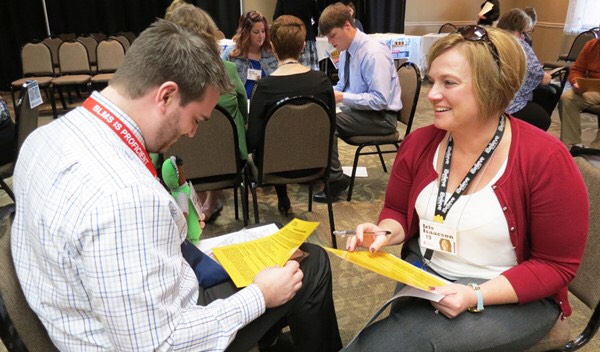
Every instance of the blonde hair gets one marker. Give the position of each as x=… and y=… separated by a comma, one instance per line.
x=196, y=20
x=495, y=84
x=175, y=4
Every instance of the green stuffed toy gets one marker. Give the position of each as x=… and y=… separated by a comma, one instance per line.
x=185, y=195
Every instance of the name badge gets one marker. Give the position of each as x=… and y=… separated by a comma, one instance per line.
x=438, y=237
x=194, y=199
x=254, y=75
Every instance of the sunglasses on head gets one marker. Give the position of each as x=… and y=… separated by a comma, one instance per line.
x=255, y=15
x=474, y=33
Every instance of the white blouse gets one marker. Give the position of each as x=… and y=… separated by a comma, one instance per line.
x=484, y=249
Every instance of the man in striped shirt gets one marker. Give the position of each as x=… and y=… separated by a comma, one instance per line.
x=96, y=238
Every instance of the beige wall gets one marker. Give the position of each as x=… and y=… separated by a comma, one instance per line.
x=426, y=16
x=267, y=7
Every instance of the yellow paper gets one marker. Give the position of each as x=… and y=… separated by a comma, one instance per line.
x=392, y=267
x=334, y=56
x=243, y=261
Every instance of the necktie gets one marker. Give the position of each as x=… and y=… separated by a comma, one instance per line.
x=347, y=72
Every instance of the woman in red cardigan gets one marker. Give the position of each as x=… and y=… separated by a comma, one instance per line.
x=508, y=197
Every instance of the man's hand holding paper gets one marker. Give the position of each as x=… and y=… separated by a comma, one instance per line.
x=243, y=261
x=279, y=284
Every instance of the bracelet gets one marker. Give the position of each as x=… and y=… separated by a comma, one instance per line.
x=479, y=307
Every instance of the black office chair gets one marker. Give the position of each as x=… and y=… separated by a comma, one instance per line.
x=594, y=110
x=548, y=96
x=20, y=328
x=212, y=157
x=569, y=58
x=409, y=78
x=586, y=285
x=26, y=120
x=296, y=148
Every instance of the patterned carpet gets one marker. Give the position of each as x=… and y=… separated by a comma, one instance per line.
x=357, y=292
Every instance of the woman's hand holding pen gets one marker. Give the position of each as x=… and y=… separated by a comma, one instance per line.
x=373, y=241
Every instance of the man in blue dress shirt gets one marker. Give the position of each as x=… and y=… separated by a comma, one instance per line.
x=368, y=87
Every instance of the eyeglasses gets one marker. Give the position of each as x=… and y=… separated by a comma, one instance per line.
x=474, y=33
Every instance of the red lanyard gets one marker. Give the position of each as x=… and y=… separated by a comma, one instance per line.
x=121, y=130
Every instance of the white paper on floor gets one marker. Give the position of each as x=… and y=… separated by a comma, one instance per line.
x=361, y=171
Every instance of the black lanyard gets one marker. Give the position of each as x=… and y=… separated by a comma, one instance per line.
x=442, y=208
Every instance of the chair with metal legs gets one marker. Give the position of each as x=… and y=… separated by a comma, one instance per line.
x=409, y=78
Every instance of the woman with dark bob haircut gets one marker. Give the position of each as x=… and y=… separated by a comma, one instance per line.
x=290, y=79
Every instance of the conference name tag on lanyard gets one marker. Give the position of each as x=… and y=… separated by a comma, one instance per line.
x=120, y=129
x=438, y=237
x=434, y=235
x=253, y=74
x=194, y=198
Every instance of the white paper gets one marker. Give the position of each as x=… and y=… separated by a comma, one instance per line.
x=415, y=292
x=244, y=235
x=35, y=98
x=486, y=8
x=361, y=171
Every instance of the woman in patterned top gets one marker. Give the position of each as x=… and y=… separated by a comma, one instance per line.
x=522, y=107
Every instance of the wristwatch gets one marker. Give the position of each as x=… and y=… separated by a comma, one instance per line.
x=479, y=307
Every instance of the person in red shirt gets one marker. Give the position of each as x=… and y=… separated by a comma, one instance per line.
x=573, y=101
x=508, y=197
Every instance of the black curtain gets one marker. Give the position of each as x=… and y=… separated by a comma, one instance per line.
x=19, y=22
x=377, y=16
x=383, y=16
x=23, y=21
x=225, y=13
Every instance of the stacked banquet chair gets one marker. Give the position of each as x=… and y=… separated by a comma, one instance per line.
x=53, y=42
x=122, y=39
x=90, y=44
x=36, y=60
x=75, y=70
x=109, y=55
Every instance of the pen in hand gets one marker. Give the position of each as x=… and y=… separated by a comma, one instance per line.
x=348, y=233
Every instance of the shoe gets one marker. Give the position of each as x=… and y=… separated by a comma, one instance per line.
x=576, y=147
x=215, y=214
x=335, y=190
x=284, y=206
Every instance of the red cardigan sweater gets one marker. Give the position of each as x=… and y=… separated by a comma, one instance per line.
x=541, y=192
